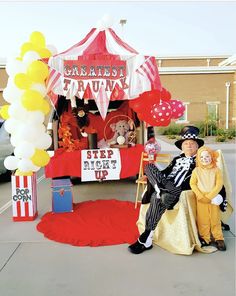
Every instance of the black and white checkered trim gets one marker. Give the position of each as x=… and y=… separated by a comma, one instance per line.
x=190, y=136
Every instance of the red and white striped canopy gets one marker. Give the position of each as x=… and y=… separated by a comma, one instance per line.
x=141, y=71
x=99, y=42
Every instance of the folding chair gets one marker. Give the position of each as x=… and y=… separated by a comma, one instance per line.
x=142, y=178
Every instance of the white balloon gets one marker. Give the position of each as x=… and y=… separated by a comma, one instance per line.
x=11, y=124
x=43, y=142
x=15, y=66
x=40, y=87
x=35, y=117
x=25, y=165
x=30, y=133
x=11, y=162
x=51, y=48
x=17, y=111
x=24, y=150
x=15, y=140
x=30, y=56
x=12, y=93
x=35, y=168
x=107, y=20
x=40, y=128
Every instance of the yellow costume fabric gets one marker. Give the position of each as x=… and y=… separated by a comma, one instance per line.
x=206, y=183
x=177, y=231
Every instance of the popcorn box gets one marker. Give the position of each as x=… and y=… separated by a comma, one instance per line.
x=24, y=197
x=62, y=197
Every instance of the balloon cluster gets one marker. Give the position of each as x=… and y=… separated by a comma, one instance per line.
x=157, y=108
x=152, y=147
x=25, y=114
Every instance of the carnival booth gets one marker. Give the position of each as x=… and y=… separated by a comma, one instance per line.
x=103, y=93
x=100, y=73
x=105, y=96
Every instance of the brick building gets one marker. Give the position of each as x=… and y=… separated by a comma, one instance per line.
x=206, y=85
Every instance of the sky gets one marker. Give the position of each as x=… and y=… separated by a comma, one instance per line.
x=157, y=28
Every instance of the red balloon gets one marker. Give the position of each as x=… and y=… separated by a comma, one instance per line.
x=147, y=118
x=141, y=117
x=161, y=112
x=165, y=95
x=151, y=97
x=177, y=108
x=168, y=96
x=151, y=121
x=137, y=104
x=164, y=123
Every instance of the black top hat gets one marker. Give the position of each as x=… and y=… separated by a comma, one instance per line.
x=189, y=133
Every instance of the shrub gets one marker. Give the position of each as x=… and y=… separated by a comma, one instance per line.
x=221, y=138
x=201, y=126
x=231, y=133
x=207, y=128
x=221, y=132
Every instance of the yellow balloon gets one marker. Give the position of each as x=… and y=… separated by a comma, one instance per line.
x=4, y=111
x=44, y=53
x=20, y=173
x=27, y=46
x=40, y=158
x=38, y=39
x=22, y=81
x=32, y=100
x=37, y=71
x=46, y=107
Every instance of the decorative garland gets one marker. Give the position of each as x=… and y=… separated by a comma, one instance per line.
x=67, y=142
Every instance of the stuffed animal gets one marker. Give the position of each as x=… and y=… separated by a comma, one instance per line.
x=121, y=132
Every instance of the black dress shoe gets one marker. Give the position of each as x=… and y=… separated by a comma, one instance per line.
x=220, y=244
x=225, y=226
x=204, y=243
x=138, y=248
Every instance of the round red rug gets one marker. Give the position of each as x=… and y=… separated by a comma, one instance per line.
x=93, y=223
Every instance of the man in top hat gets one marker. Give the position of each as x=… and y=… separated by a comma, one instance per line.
x=164, y=187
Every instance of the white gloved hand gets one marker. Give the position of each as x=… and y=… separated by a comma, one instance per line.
x=157, y=189
x=217, y=200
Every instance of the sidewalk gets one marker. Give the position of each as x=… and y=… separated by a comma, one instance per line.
x=32, y=265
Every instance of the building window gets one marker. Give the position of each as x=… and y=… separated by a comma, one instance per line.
x=184, y=118
x=212, y=111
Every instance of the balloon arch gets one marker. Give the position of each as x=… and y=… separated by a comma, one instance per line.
x=27, y=97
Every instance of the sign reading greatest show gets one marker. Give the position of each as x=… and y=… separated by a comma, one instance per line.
x=96, y=72
x=100, y=164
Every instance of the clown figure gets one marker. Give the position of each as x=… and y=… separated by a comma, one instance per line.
x=206, y=182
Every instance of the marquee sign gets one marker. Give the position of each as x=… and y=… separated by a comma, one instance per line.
x=94, y=69
x=95, y=73
x=100, y=164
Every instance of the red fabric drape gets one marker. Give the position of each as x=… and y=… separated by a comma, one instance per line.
x=69, y=163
